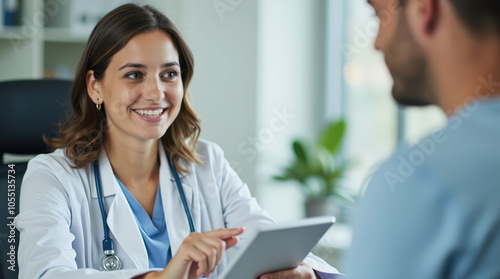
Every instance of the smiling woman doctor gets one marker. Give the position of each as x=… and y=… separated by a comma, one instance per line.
x=129, y=167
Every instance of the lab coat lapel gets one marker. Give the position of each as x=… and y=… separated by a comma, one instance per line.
x=107, y=177
x=121, y=220
x=175, y=216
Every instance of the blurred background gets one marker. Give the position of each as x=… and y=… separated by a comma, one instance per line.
x=266, y=72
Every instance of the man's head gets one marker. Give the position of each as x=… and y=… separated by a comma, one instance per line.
x=415, y=37
x=479, y=16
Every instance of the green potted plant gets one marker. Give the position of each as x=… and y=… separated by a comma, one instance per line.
x=318, y=169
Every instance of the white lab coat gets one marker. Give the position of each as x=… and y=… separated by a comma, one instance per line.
x=60, y=222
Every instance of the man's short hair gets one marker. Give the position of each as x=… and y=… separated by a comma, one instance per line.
x=480, y=16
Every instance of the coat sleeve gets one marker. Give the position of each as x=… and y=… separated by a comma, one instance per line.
x=45, y=248
x=241, y=209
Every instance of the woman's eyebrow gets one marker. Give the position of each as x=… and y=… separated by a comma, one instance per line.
x=132, y=65
x=169, y=64
x=138, y=65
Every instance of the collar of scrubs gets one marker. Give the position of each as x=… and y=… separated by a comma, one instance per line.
x=152, y=225
x=153, y=230
x=107, y=177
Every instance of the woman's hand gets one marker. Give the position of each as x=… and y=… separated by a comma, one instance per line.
x=199, y=254
x=301, y=271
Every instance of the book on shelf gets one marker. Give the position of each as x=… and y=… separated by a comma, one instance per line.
x=1, y=15
x=10, y=12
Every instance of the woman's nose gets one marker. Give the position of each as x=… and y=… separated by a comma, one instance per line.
x=154, y=91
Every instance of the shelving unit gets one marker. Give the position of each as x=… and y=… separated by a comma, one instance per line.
x=34, y=51
x=28, y=51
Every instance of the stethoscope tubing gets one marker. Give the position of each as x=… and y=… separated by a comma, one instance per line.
x=107, y=243
x=182, y=195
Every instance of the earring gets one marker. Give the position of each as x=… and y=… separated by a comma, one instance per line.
x=98, y=106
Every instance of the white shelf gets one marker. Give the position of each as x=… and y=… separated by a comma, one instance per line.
x=51, y=34
x=6, y=32
x=64, y=35
x=33, y=51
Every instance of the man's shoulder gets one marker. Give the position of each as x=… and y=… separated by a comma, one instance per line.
x=442, y=192
x=459, y=162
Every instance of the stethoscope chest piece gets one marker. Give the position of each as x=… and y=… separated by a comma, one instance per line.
x=111, y=263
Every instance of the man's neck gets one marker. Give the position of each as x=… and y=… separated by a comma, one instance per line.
x=477, y=80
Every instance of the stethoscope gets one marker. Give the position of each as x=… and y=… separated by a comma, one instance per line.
x=110, y=261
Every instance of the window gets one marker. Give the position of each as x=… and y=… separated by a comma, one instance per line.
x=359, y=89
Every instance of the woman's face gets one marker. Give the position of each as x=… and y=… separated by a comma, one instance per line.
x=142, y=88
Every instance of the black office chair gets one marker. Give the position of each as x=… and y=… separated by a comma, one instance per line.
x=30, y=110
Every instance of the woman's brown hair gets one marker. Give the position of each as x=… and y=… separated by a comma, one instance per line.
x=82, y=135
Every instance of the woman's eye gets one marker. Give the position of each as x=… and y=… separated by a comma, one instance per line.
x=134, y=75
x=171, y=75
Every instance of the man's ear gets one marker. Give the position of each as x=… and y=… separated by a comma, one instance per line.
x=424, y=17
x=94, y=87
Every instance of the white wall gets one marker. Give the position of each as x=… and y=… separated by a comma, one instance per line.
x=224, y=83
x=291, y=79
x=258, y=83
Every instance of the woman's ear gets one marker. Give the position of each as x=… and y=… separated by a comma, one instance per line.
x=94, y=88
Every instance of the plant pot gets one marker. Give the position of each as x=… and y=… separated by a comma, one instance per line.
x=321, y=207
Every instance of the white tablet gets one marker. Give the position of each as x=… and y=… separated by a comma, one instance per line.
x=277, y=247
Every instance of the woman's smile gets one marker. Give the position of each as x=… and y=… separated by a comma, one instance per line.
x=151, y=114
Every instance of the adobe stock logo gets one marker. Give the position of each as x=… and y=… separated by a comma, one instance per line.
x=365, y=34
x=223, y=6
x=427, y=147
x=31, y=26
x=416, y=157
x=279, y=121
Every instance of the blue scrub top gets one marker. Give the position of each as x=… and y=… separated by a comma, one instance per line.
x=154, y=231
